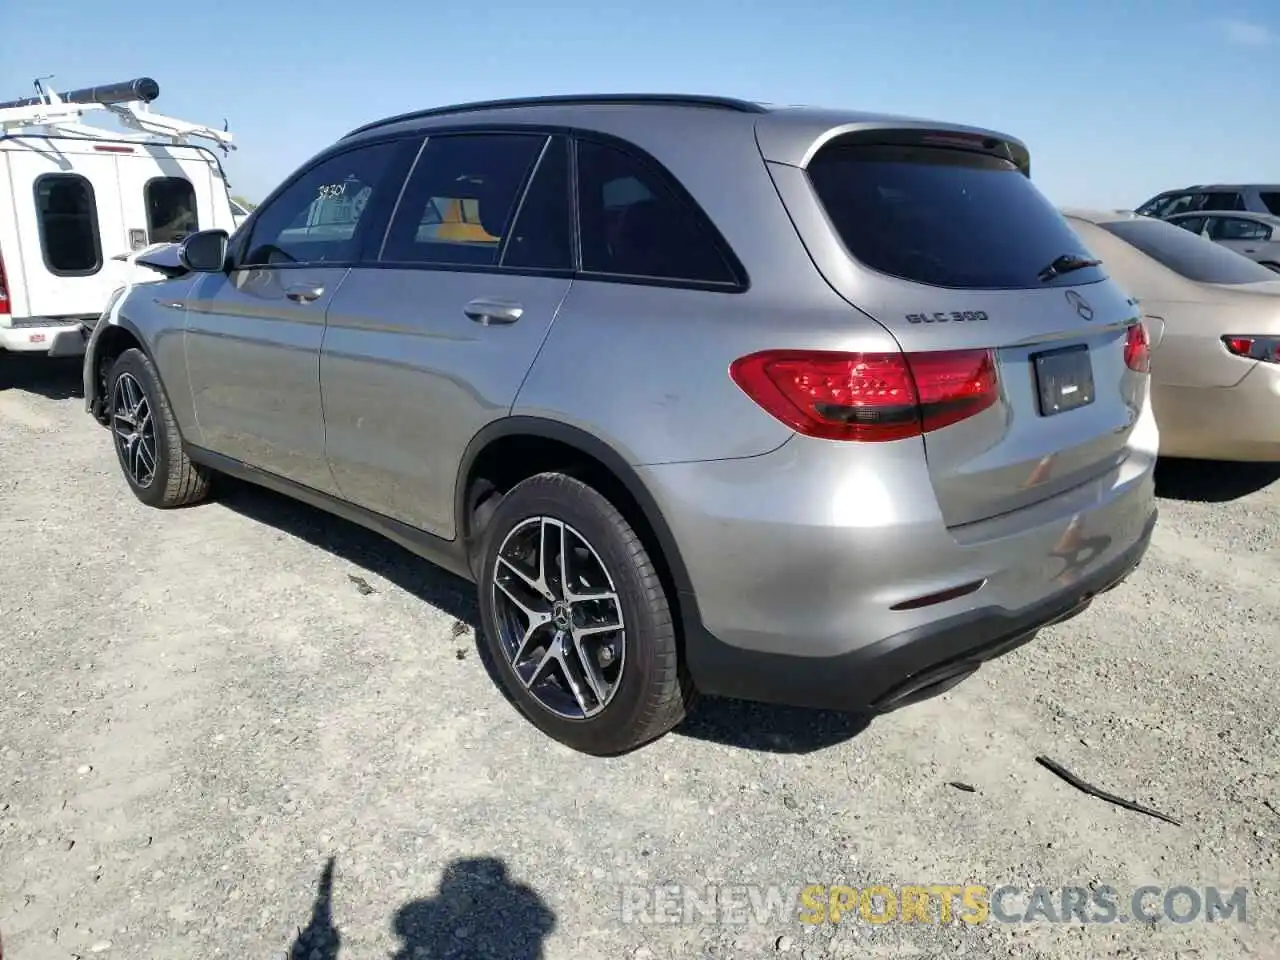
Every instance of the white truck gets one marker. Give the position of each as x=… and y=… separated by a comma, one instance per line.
x=77, y=199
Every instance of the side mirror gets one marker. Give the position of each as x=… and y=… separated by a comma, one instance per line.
x=204, y=252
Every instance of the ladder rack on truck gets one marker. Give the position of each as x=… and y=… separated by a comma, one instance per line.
x=77, y=199
x=129, y=102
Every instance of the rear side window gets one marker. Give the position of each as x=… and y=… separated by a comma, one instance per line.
x=67, y=214
x=635, y=223
x=1222, y=200
x=1237, y=228
x=1271, y=201
x=1194, y=257
x=944, y=217
x=171, y=209
x=541, y=238
x=460, y=198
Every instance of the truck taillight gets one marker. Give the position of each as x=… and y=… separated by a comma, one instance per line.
x=1266, y=349
x=4, y=291
x=868, y=397
x=1137, y=348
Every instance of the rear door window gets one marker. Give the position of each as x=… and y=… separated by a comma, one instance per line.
x=171, y=209
x=1222, y=200
x=1195, y=258
x=1238, y=228
x=67, y=215
x=944, y=217
x=460, y=198
x=1271, y=200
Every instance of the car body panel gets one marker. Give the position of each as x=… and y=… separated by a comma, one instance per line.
x=253, y=363
x=1209, y=403
x=409, y=379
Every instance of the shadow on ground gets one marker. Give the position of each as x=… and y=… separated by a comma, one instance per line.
x=478, y=911
x=58, y=379
x=732, y=723
x=1212, y=481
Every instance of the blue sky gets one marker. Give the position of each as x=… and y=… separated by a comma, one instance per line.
x=1117, y=100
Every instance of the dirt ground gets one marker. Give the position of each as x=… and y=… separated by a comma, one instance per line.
x=248, y=730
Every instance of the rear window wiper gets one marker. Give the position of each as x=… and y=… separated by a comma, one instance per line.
x=1065, y=264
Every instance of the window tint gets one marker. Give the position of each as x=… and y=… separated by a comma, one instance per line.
x=171, y=209
x=1271, y=201
x=634, y=223
x=1195, y=258
x=1237, y=228
x=68, y=218
x=460, y=199
x=315, y=218
x=542, y=235
x=1190, y=224
x=944, y=217
x=1221, y=201
x=1180, y=203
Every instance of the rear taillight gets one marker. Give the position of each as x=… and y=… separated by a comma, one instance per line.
x=4, y=291
x=868, y=396
x=1137, y=348
x=1266, y=349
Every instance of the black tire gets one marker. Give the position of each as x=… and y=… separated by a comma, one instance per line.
x=1271, y=266
x=654, y=692
x=175, y=480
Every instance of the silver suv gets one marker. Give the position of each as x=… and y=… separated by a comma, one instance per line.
x=789, y=405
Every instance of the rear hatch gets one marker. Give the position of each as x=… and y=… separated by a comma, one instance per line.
x=941, y=237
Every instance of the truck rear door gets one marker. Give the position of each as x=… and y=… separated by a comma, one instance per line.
x=67, y=210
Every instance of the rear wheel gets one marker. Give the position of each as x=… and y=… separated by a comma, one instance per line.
x=577, y=620
x=146, y=438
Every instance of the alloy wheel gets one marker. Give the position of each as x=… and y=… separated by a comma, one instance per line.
x=559, y=617
x=134, y=429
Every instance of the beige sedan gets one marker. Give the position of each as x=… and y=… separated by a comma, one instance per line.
x=1213, y=317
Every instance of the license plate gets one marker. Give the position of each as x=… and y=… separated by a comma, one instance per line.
x=1064, y=379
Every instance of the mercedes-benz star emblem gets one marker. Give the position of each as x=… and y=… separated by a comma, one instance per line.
x=1080, y=305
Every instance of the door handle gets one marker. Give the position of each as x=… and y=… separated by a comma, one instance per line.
x=492, y=312
x=303, y=292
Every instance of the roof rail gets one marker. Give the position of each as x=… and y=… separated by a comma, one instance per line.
x=573, y=99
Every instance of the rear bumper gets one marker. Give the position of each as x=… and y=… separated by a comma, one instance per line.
x=909, y=666
x=824, y=576
x=62, y=340
x=1240, y=423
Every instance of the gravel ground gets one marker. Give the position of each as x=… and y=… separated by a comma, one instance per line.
x=249, y=730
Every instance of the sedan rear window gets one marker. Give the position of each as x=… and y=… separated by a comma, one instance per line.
x=944, y=217
x=1188, y=254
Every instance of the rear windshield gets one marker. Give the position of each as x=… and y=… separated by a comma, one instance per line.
x=1188, y=253
x=944, y=217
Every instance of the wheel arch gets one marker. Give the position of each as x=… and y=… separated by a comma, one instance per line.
x=551, y=444
x=115, y=338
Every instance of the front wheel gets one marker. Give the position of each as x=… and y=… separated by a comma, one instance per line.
x=146, y=438
x=1271, y=266
x=577, y=619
